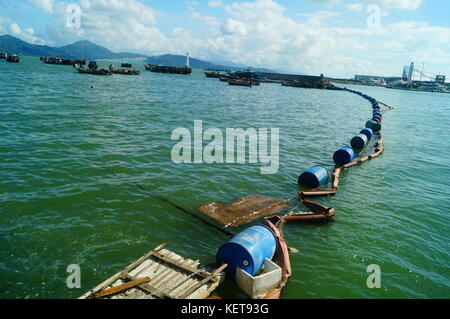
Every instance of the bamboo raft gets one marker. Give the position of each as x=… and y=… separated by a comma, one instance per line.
x=160, y=274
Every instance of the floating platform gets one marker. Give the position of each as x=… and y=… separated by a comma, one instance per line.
x=160, y=274
x=168, y=69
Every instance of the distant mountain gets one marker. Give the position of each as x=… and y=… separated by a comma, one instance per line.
x=180, y=60
x=10, y=44
x=78, y=50
x=91, y=51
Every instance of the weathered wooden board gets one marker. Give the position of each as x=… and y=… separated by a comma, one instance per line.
x=171, y=276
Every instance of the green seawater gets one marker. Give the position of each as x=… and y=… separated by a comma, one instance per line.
x=71, y=158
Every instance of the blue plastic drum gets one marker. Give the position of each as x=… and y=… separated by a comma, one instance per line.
x=377, y=119
x=374, y=126
x=377, y=112
x=359, y=141
x=367, y=132
x=314, y=176
x=344, y=156
x=247, y=250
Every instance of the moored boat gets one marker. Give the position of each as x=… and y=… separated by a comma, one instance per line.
x=92, y=69
x=212, y=74
x=240, y=82
x=59, y=61
x=126, y=65
x=124, y=71
x=168, y=69
x=93, y=72
x=13, y=58
x=3, y=55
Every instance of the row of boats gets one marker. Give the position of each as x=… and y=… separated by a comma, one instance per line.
x=59, y=61
x=93, y=68
x=248, y=79
x=13, y=58
x=168, y=69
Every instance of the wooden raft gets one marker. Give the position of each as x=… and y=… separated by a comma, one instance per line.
x=160, y=274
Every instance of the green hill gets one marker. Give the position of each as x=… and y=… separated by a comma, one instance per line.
x=78, y=50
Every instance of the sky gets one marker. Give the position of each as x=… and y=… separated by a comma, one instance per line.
x=338, y=38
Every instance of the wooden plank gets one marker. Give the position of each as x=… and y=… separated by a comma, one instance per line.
x=189, y=269
x=201, y=283
x=180, y=283
x=173, y=276
x=121, y=273
x=150, y=289
x=125, y=286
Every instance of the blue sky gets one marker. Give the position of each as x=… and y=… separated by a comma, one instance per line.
x=311, y=36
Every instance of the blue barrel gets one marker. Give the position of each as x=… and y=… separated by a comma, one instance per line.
x=377, y=113
x=344, y=156
x=247, y=250
x=359, y=141
x=367, y=132
x=314, y=176
x=377, y=119
x=374, y=126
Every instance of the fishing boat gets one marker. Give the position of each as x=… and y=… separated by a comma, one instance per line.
x=170, y=69
x=212, y=74
x=93, y=72
x=13, y=58
x=240, y=82
x=59, y=61
x=92, y=69
x=125, y=71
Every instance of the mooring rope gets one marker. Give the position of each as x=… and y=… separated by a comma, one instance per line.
x=180, y=208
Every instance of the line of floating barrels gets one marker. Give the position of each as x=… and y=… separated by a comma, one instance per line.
x=345, y=157
x=248, y=249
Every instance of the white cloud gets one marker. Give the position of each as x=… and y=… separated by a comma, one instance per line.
x=45, y=5
x=358, y=7
x=319, y=17
x=209, y=20
x=233, y=27
x=15, y=29
x=7, y=26
x=215, y=3
x=401, y=4
x=260, y=33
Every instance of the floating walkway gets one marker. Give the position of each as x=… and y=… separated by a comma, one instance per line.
x=160, y=274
